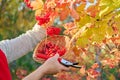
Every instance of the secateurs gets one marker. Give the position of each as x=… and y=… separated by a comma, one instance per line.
x=61, y=60
x=68, y=63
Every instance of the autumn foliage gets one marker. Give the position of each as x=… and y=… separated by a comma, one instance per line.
x=93, y=27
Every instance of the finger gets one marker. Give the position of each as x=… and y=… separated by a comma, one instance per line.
x=63, y=68
x=56, y=56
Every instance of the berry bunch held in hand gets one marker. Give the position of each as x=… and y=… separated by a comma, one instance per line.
x=50, y=50
x=51, y=31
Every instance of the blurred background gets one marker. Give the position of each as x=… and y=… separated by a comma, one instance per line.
x=16, y=19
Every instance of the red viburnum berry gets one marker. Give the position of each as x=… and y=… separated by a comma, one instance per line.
x=26, y=0
x=49, y=50
x=28, y=3
x=53, y=31
x=44, y=19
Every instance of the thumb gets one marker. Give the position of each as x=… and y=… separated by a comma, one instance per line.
x=56, y=56
x=63, y=68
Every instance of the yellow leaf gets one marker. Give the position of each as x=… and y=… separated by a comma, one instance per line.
x=37, y=4
x=81, y=7
x=87, y=33
x=82, y=42
x=83, y=20
x=116, y=0
x=103, y=11
x=98, y=38
x=102, y=28
x=109, y=31
x=97, y=35
x=38, y=12
x=117, y=19
x=106, y=2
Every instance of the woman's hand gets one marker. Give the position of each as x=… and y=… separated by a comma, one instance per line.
x=50, y=66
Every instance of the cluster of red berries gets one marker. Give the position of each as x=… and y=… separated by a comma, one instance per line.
x=53, y=31
x=50, y=50
x=28, y=3
x=44, y=19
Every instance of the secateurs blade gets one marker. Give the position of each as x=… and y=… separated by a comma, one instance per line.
x=68, y=63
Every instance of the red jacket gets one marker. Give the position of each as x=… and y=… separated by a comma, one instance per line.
x=4, y=69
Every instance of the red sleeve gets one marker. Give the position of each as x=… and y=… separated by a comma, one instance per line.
x=4, y=69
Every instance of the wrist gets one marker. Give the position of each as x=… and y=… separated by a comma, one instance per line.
x=42, y=70
x=37, y=74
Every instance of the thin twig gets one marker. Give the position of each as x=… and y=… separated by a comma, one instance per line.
x=108, y=47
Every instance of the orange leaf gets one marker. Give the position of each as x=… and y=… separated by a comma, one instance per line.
x=76, y=51
x=63, y=5
x=64, y=13
x=83, y=0
x=95, y=65
x=50, y=3
x=82, y=71
x=91, y=1
x=81, y=7
x=74, y=14
x=69, y=25
x=93, y=10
